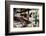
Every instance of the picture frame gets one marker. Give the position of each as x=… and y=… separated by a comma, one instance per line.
x=15, y=13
